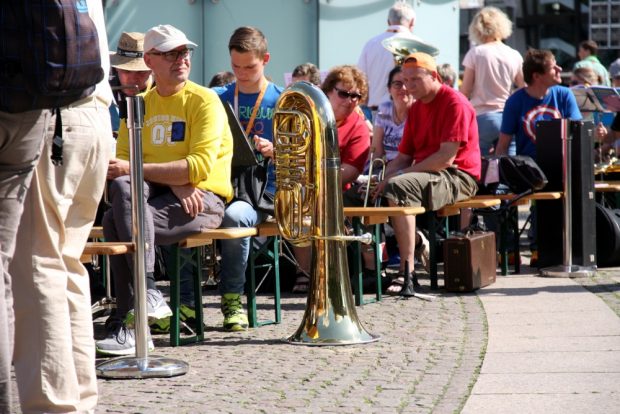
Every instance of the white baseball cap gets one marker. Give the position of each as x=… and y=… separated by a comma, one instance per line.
x=165, y=38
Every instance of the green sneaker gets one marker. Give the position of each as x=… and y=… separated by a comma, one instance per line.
x=235, y=318
x=160, y=326
x=187, y=315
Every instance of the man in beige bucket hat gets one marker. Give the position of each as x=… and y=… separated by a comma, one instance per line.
x=128, y=65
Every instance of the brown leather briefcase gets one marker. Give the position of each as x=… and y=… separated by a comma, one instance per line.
x=469, y=261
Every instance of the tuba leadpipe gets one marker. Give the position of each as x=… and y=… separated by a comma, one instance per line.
x=309, y=211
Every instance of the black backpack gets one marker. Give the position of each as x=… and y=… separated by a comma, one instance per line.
x=521, y=174
x=49, y=56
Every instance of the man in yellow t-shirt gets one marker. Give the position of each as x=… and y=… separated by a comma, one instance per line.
x=187, y=153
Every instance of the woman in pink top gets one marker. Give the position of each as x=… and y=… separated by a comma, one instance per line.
x=492, y=70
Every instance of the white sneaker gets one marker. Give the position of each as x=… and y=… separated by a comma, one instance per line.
x=156, y=308
x=122, y=341
x=422, y=252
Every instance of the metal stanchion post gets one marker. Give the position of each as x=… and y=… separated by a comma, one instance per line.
x=142, y=365
x=567, y=269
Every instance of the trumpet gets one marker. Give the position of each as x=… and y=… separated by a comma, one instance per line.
x=372, y=181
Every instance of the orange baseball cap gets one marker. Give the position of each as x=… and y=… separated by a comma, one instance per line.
x=420, y=60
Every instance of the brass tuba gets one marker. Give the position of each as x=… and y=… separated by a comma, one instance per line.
x=401, y=47
x=308, y=210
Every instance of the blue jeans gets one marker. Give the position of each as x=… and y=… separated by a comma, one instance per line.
x=235, y=252
x=489, y=125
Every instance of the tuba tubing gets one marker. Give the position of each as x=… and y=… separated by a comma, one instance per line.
x=309, y=211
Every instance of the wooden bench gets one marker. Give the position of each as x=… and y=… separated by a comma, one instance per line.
x=96, y=248
x=607, y=186
x=271, y=249
x=511, y=216
x=181, y=257
x=372, y=216
x=92, y=250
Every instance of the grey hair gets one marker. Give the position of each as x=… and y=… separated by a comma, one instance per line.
x=401, y=13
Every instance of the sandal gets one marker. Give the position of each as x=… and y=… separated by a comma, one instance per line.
x=302, y=282
x=396, y=286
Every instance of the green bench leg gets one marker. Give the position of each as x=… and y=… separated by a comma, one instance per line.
x=433, y=224
x=273, y=255
x=357, y=268
x=179, y=259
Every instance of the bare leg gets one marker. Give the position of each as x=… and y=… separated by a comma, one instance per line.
x=405, y=232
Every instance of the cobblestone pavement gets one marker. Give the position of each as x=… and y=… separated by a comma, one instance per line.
x=426, y=361
x=606, y=285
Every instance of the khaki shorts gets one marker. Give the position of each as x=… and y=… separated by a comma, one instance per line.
x=431, y=190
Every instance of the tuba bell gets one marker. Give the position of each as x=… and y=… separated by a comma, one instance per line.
x=308, y=210
x=401, y=47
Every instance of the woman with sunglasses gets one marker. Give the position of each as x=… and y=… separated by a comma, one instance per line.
x=345, y=86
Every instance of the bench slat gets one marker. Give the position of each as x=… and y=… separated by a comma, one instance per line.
x=107, y=248
x=454, y=209
x=543, y=195
x=607, y=186
x=268, y=229
x=380, y=215
x=206, y=236
x=383, y=211
x=96, y=232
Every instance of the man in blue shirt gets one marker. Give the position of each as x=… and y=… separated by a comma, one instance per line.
x=542, y=99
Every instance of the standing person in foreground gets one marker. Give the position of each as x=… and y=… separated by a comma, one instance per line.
x=542, y=98
x=21, y=135
x=376, y=61
x=253, y=99
x=187, y=153
x=54, y=347
x=438, y=161
x=492, y=69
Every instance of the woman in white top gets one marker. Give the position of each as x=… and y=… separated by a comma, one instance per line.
x=492, y=69
x=390, y=119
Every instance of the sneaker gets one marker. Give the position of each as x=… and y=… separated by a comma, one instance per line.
x=235, y=318
x=156, y=308
x=423, y=251
x=187, y=315
x=122, y=341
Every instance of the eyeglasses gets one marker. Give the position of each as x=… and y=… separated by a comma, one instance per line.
x=174, y=55
x=397, y=84
x=348, y=95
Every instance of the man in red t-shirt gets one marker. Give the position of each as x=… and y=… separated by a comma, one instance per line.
x=438, y=159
